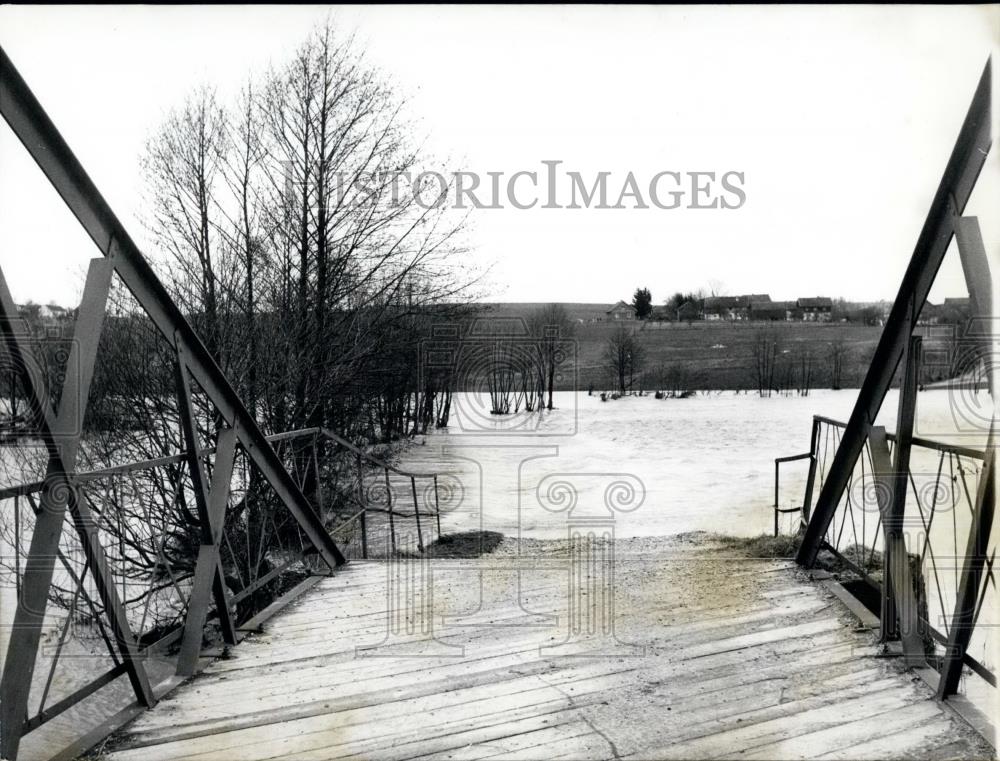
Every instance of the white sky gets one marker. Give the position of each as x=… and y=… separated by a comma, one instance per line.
x=842, y=120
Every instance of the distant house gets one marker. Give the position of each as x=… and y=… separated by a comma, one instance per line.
x=734, y=308
x=772, y=310
x=621, y=311
x=688, y=311
x=817, y=309
x=721, y=307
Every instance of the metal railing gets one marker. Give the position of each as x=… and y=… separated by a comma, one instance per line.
x=154, y=548
x=145, y=520
x=942, y=483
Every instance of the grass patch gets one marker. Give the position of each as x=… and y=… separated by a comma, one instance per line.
x=468, y=544
x=763, y=546
x=863, y=557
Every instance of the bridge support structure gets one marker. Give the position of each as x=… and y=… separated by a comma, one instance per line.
x=60, y=430
x=898, y=345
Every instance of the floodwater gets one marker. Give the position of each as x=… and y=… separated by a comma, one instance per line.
x=703, y=463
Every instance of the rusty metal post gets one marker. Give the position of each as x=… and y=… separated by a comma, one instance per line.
x=319, y=479
x=811, y=477
x=899, y=585
x=17, y=546
x=777, y=468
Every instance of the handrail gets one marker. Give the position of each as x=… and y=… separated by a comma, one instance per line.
x=848, y=525
x=251, y=585
x=778, y=461
x=371, y=458
x=32, y=487
x=938, y=446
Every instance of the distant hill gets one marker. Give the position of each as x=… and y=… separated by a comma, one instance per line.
x=575, y=310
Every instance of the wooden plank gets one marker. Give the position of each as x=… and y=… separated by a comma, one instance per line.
x=847, y=735
x=709, y=649
x=435, y=747
x=713, y=628
x=253, y=711
x=792, y=722
x=529, y=746
x=779, y=662
x=907, y=734
x=360, y=730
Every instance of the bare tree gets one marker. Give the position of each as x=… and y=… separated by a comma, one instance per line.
x=805, y=374
x=837, y=356
x=552, y=329
x=764, y=353
x=624, y=357
x=183, y=165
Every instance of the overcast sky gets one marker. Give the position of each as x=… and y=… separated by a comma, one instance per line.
x=840, y=119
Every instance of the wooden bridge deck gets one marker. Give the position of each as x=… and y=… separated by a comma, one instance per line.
x=742, y=659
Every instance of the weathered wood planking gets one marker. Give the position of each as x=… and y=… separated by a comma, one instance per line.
x=743, y=659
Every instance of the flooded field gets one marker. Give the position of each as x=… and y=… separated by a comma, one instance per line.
x=702, y=463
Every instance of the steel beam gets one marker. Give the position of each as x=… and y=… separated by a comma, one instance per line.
x=983, y=328
x=38, y=134
x=905, y=416
x=963, y=620
x=899, y=584
x=61, y=434
x=210, y=502
x=959, y=178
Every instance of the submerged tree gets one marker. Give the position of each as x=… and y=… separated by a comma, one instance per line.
x=837, y=356
x=765, y=351
x=552, y=330
x=624, y=356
